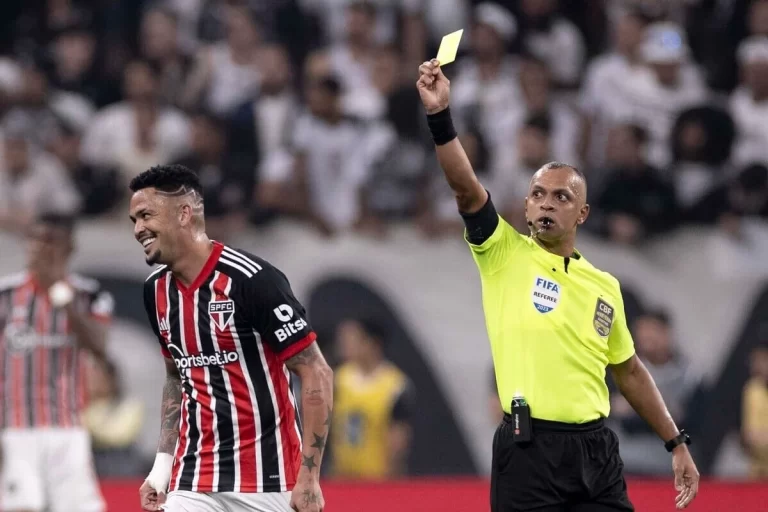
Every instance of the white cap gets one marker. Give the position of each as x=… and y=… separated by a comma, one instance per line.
x=498, y=18
x=753, y=49
x=665, y=43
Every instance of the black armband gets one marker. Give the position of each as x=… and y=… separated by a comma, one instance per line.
x=441, y=127
x=481, y=224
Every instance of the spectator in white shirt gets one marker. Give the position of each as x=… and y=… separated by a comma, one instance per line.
x=139, y=132
x=604, y=94
x=669, y=83
x=352, y=60
x=536, y=85
x=260, y=131
x=160, y=45
x=227, y=74
x=553, y=39
x=330, y=163
x=749, y=102
x=486, y=87
x=31, y=181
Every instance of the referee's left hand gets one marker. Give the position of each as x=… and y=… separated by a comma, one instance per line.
x=686, y=476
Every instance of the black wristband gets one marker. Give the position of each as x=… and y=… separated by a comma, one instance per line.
x=441, y=127
x=681, y=438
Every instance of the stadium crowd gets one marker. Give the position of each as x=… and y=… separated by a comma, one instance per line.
x=308, y=109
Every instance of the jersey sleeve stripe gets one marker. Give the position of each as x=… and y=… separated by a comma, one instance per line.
x=234, y=265
x=297, y=347
x=249, y=263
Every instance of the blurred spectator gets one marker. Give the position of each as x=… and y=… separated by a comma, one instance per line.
x=395, y=20
x=539, y=99
x=38, y=26
x=161, y=47
x=745, y=195
x=605, y=94
x=75, y=64
x=553, y=39
x=352, y=61
x=668, y=84
x=509, y=185
x=653, y=337
x=702, y=139
x=227, y=178
x=138, y=132
x=754, y=405
x=44, y=107
x=749, y=102
x=260, y=130
x=31, y=181
x=374, y=403
x=99, y=188
x=400, y=160
x=634, y=202
x=330, y=166
x=486, y=89
x=114, y=423
x=226, y=74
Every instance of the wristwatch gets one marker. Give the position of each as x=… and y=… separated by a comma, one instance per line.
x=676, y=441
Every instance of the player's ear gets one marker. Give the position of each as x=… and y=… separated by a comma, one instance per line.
x=185, y=214
x=583, y=214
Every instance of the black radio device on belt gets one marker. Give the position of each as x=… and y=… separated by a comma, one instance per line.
x=521, y=420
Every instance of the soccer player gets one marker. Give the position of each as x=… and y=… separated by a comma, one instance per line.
x=555, y=323
x=51, y=323
x=230, y=329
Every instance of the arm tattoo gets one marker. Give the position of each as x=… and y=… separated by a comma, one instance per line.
x=308, y=356
x=317, y=399
x=310, y=498
x=170, y=414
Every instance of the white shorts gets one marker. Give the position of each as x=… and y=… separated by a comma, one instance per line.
x=188, y=501
x=48, y=469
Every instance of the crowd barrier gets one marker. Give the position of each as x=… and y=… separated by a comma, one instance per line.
x=471, y=495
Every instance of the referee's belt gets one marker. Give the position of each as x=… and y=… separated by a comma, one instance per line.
x=557, y=426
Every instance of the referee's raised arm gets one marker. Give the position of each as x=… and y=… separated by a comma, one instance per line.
x=434, y=89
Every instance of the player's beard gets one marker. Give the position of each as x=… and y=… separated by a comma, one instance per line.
x=153, y=258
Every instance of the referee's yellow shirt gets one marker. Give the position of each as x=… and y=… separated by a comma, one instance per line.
x=552, y=332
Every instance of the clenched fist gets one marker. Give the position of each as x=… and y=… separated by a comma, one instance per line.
x=434, y=87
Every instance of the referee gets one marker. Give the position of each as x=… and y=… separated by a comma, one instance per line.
x=555, y=323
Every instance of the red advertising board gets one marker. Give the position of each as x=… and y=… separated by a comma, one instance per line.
x=471, y=495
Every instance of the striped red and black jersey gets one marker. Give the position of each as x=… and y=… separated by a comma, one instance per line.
x=44, y=370
x=229, y=334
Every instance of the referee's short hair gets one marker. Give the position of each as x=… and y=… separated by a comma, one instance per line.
x=167, y=178
x=561, y=165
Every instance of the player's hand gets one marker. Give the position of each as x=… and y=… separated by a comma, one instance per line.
x=434, y=88
x=306, y=495
x=151, y=500
x=686, y=476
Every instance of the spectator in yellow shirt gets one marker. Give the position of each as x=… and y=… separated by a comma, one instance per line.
x=373, y=406
x=755, y=413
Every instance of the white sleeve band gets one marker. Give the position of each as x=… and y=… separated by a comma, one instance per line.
x=160, y=476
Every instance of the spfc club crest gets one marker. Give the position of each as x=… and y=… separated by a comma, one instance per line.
x=221, y=312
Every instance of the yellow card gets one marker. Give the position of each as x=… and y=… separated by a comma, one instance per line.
x=448, y=47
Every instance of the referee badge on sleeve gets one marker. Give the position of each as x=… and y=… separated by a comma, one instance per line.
x=603, y=318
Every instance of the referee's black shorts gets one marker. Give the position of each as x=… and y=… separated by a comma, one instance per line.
x=565, y=468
